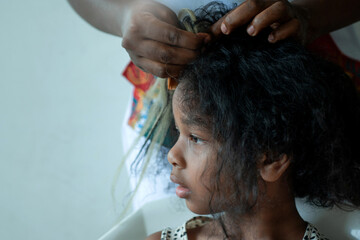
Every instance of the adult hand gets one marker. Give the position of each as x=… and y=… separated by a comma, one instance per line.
x=154, y=41
x=286, y=20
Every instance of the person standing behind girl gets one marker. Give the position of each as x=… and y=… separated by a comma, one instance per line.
x=155, y=43
x=259, y=124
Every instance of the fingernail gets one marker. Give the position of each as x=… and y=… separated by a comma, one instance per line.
x=271, y=38
x=223, y=28
x=251, y=30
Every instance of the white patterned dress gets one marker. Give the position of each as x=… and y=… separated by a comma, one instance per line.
x=180, y=233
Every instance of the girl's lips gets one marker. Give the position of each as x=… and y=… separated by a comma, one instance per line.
x=181, y=191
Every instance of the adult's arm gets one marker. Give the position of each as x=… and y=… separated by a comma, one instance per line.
x=105, y=15
x=149, y=30
x=325, y=16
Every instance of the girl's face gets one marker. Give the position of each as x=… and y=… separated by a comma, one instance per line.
x=193, y=158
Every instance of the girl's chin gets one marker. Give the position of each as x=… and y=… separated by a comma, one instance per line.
x=197, y=208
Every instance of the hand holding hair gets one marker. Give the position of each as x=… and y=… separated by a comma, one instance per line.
x=305, y=20
x=154, y=40
x=286, y=19
x=155, y=43
x=150, y=31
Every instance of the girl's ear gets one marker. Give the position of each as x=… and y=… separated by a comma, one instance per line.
x=272, y=171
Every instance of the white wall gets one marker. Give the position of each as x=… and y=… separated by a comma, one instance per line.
x=62, y=103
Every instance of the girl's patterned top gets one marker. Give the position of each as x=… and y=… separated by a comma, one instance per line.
x=180, y=233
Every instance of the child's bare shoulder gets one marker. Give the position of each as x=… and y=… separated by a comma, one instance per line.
x=154, y=236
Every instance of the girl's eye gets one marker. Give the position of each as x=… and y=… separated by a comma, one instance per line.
x=195, y=139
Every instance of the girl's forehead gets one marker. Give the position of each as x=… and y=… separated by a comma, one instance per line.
x=181, y=97
x=180, y=87
x=186, y=108
x=180, y=108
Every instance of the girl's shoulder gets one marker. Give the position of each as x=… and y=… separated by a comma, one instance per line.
x=313, y=233
x=181, y=233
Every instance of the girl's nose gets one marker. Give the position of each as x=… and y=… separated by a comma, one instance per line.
x=175, y=156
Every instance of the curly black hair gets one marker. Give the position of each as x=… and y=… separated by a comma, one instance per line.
x=261, y=98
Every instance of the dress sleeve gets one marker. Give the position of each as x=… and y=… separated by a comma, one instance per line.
x=174, y=234
x=311, y=233
x=180, y=233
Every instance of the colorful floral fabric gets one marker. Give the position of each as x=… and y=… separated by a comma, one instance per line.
x=142, y=81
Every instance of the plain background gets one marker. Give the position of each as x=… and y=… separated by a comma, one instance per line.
x=62, y=104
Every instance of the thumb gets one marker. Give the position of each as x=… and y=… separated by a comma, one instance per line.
x=215, y=29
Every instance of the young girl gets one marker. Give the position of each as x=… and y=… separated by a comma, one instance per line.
x=258, y=125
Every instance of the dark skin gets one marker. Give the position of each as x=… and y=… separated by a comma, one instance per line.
x=275, y=220
x=304, y=20
x=150, y=32
x=162, y=50
x=155, y=43
x=274, y=216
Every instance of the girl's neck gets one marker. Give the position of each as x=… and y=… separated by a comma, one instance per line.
x=273, y=220
x=274, y=217
x=280, y=222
